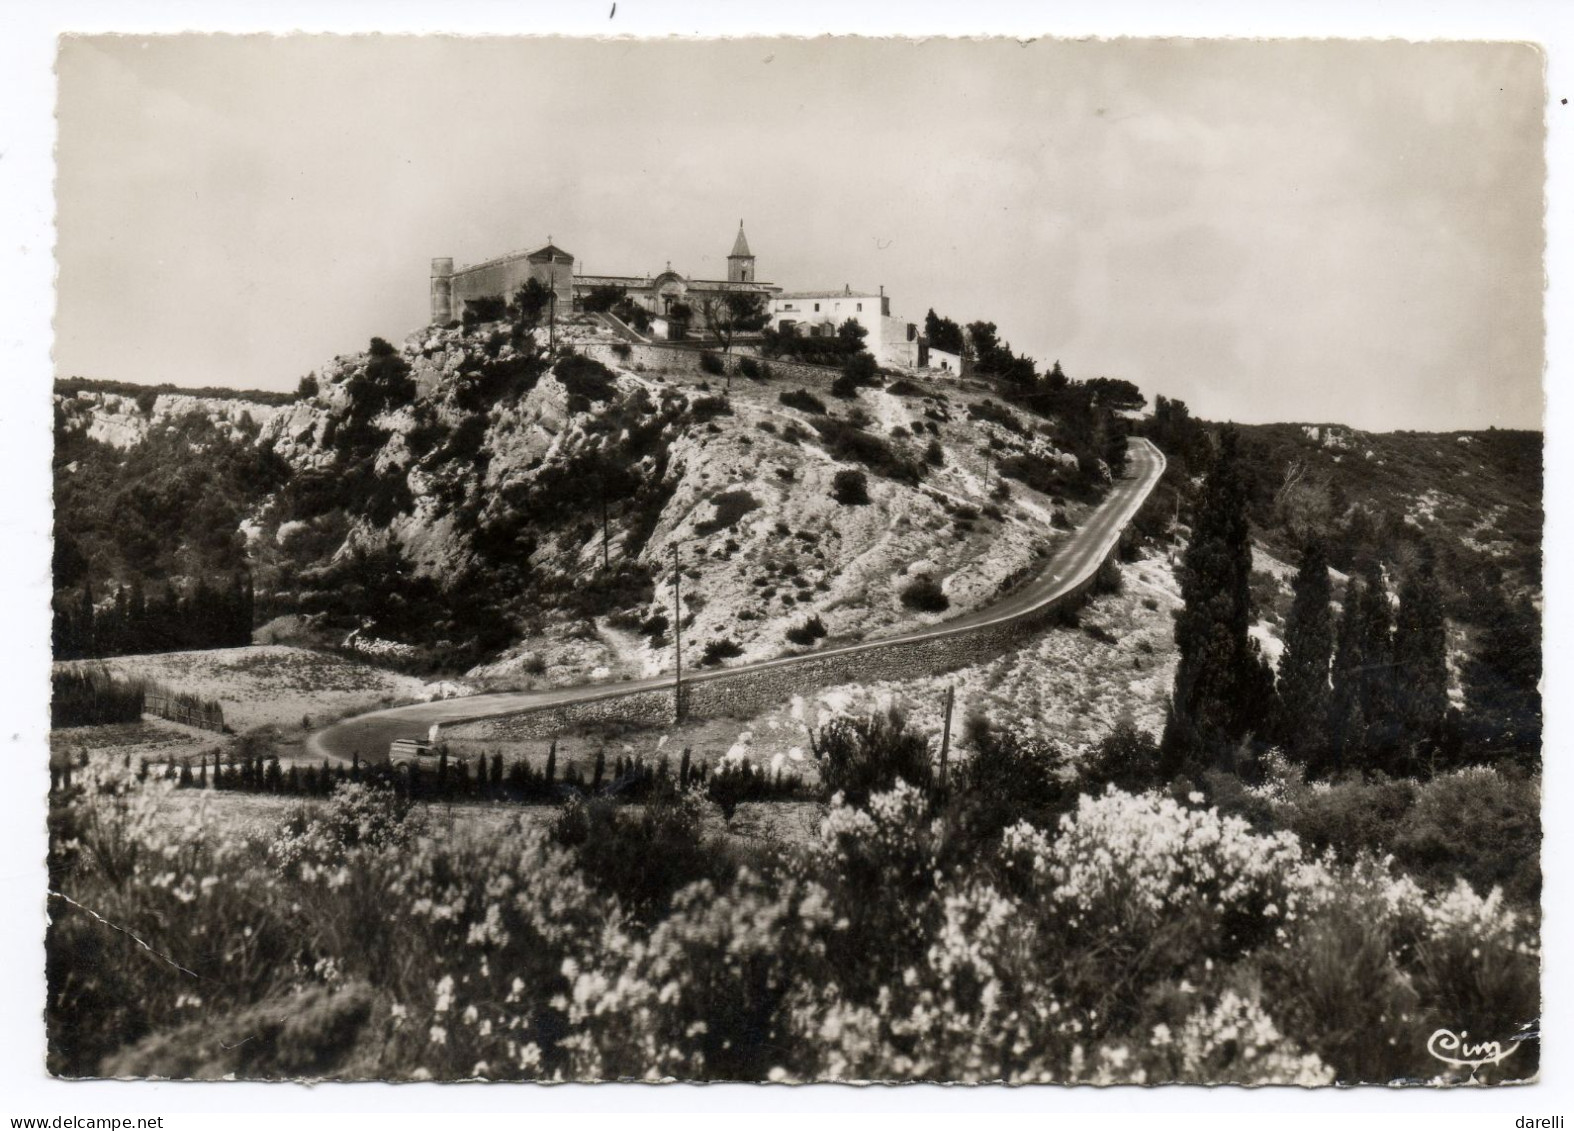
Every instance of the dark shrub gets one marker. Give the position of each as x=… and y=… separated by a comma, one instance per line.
x=489, y=308
x=1007, y=779
x=707, y=408
x=623, y=350
x=862, y=369
x=850, y=488
x=902, y=387
x=924, y=594
x=808, y=632
x=998, y=414
x=712, y=363
x=307, y=389
x=730, y=507
x=860, y=757
x=603, y=298
x=749, y=368
x=1127, y=758
x=585, y=378
x=804, y=401
x=1479, y=825
x=934, y=454
x=844, y=387
x=718, y=650
x=847, y=442
x=642, y=856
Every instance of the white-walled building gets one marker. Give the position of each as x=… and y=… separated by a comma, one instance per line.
x=818, y=313
x=949, y=363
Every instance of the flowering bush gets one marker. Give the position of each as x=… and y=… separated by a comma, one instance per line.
x=1140, y=939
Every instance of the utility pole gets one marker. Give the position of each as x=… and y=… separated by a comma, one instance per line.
x=945, y=736
x=677, y=636
x=601, y=485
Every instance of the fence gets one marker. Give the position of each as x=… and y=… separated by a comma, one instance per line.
x=179, y=707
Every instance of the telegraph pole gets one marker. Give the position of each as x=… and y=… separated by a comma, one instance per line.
x=677, y=637
x=601, y=484
x=945, y=736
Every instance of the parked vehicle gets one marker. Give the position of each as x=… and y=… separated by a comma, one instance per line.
x=412, y=752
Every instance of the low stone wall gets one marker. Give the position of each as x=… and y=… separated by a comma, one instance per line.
x=749, y=691
x=643, y=708
x=685, y=362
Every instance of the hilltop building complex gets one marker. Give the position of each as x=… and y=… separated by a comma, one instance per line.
x=891, y=340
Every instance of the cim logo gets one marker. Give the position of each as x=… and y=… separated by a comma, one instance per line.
x=1457, y=1050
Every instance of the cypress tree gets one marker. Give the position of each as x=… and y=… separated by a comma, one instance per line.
x=1346, y=723
x=1421, y=660
x=1502, y=682
x=1304, y=692
x=599, y=771
x=1379, y=691
x=551, y=776
x=1223, y=690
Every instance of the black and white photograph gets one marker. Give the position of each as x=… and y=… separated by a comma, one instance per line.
x=796, y=560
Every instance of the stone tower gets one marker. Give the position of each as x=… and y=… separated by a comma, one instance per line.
x=740, y=264
x=442, y=291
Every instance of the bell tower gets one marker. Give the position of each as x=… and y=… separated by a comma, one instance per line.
x=740, y=264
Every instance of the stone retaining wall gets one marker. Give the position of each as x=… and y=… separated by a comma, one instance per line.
x=749, y=691
x=643, y=708
x=686, y=362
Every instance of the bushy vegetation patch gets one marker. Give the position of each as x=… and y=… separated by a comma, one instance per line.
x=850, y=488
x=803, y=400
x=730, y=507
x=996, y=414
x=718, y=650
x=926, y=932
x=705, y=409
x=807, y=633
x=712, y=364
x=924, y=594
x=586, y=379
x=845, y=441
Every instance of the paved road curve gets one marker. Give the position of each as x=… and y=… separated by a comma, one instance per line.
x=1073, y=562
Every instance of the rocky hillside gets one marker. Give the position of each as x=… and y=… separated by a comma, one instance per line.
x=474, y=500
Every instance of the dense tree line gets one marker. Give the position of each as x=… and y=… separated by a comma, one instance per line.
x=1364, y=691
x=90, y=696
x=203, y=615
x=1082, y=412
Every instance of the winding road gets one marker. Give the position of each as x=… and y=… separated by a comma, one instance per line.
x=1073, y=562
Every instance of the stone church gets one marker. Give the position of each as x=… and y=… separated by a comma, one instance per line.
x=551, y=265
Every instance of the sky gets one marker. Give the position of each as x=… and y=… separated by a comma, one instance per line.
x=1324, y=231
